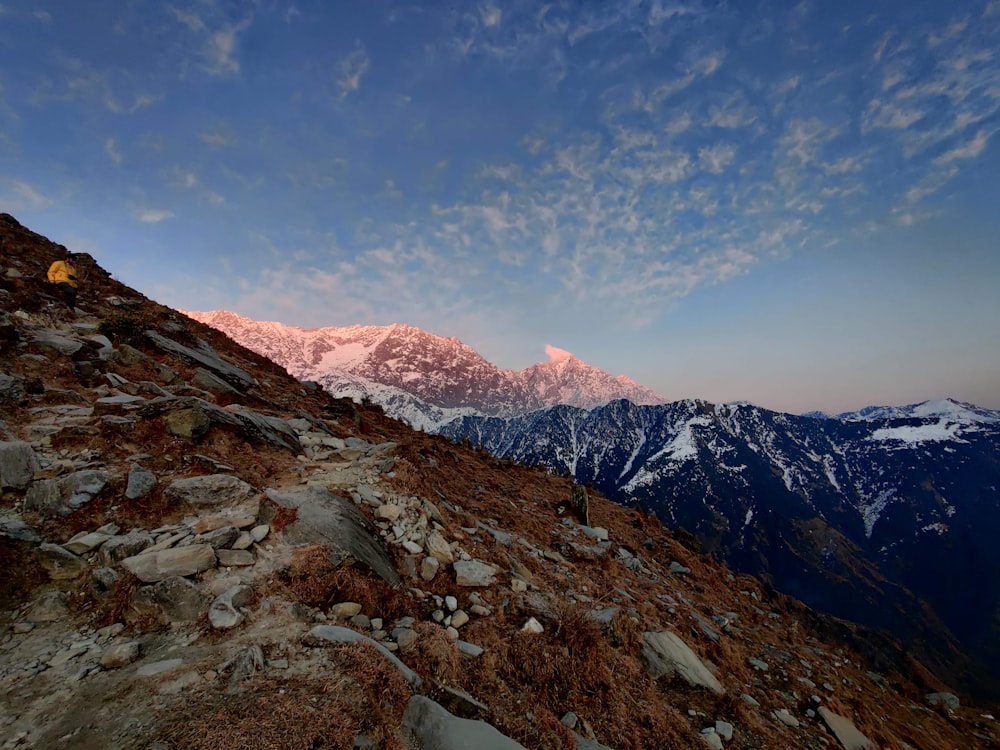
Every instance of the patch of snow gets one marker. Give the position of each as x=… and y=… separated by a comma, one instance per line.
x=748, y=518
x=683, y=446
x=873, y=511
x=916, y=434
x=640, y=435
x=940, y=528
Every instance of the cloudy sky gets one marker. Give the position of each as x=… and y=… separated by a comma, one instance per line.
x=791, y=203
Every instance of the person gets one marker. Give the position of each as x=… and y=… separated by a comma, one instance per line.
x=62, y=273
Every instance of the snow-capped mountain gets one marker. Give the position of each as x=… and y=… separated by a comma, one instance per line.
x=423, y=379
x=860, y=515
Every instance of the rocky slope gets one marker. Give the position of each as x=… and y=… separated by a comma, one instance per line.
x=423, y=379
x=868, y=516
x=201, y=552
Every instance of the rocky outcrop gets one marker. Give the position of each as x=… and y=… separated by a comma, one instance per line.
x=428, y=726
x=664, y=653
x=18, y=465
x=325, y=518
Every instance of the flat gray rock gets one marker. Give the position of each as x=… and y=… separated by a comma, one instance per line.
x=325, y=518
x=141, y=481
x=211, y=490
x=474, y=573
x=205, y=356
x=335, y=634
x=845, y=731
x=664, y=653
x=178, y=561
x=428, y=726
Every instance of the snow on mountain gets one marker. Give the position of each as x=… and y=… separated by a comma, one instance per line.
x=948, y=408
x=420, y=378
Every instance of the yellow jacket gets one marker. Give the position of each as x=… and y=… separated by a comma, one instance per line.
x=62, y=271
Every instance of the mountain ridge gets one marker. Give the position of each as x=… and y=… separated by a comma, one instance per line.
x=436, y=377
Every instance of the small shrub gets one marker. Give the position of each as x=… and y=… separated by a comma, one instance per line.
x=126, y=327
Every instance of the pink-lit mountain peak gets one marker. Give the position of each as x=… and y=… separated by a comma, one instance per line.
x=423, y=378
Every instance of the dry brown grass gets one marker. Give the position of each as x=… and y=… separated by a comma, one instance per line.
x=359, y=693
x=313, y=579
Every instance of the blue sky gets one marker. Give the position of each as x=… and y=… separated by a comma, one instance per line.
x=794, y=204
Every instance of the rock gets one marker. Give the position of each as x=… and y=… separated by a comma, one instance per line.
x=405, y=637
x=210, y=490
x=785, y=718
x=140, y=482
x=459, y=619
x=469, y=649
x=429, y=568
x=387, y=512
x=117, y=548
x=49, y=607
x=676, y=567
x=845, y=731
x=205, y=356
x=117, y=404
x=224, y=612
x=18, y=464
x=85, y=542
x=179, y=561
x=121, y=655
x=60, y=563
x=174, y=599
x=724, y=729
x=712, y=738
x=532, y=626
x=949, y=700
x=474, y=573
x=212, y=383
x=48, y=342
x=191, y=424
x=223, y=536
x=757, y=664
x=664, y=653
x=14, y=527
x=438, y=548
x=322, y=634
x=427, y=725
x=243, y=541
x=59, y=497
x=241, y=516
x=596, y=532
x=259, y=533
x=235, y=558
x=344, y=610
x=158, y=667
x=331, y=520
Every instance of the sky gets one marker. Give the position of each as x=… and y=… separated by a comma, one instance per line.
x=788, y=203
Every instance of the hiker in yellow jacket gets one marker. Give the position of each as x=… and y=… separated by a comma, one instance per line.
x=62, y=273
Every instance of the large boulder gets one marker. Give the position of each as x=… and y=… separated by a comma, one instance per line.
x=191, y=417
x=324, y=518
x=18, y=465
x=177, y=561
x=428, y=726
x=205, y=356
x=210, y=491
x=59, y=497
x=173, y=599
x=664, y=653
x=845, y=731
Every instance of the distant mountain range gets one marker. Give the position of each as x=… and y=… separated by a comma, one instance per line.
x=871, y=515
x=423, y=379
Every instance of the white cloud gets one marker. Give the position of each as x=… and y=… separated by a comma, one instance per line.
x=218, y=140
x=969, y=150
x=111, y=149
x=43, y=15
x=716, y=158
x=218, y=39
x=214, y=199
x=138, y=103
x=351, y=69
x=151, y=216
x=21, y=196
x=491, y=15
